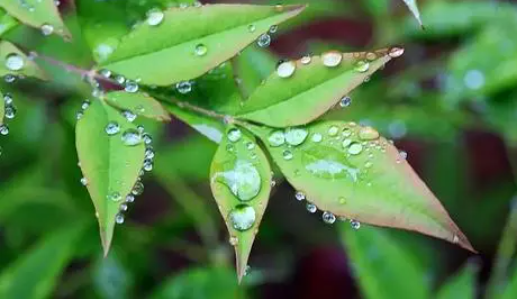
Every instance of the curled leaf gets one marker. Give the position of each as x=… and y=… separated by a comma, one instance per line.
x=301, y=91
x=350, y=171
x=240, y=179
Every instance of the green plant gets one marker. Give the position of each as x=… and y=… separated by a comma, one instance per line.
x=177, y=62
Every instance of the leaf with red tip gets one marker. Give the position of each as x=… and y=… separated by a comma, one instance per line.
x=352, y=172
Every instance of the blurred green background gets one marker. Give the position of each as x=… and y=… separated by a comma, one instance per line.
x=450, y=102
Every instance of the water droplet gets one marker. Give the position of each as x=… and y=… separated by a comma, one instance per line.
x=455, y=239
x=355, y=224
x=345, y=102
x=251, y=28
x=105, y=73
x=14, y=62
x=341, y=200
x=130, y=198
x=306, y=59
x=148, y=165
x=328, y=217
x=4, y=130
x=120, y=79
x=368, y=133
x=311, y=208
x=250, y=145
x=10, y=111
x=85, y=104
x=138, y=189
x=242, y=178
x=130, y=116
x=273, y=29
x=147, y=138
x=264, y=40
x=474, y=79
x=286, y=69
x=131, y=137
x=79, y=115
x=295, y=136
x=276, y=138
x=112, y=128
x=47, y=29
x=346, y=142
x=8, y=99
x=200, y=50
x=242, y=217
x=273, y=183
x=155, y=17
x=114, y=196
x=149, y=153
x=84, y=181
x=332, y=58
x=9, y=78
x=184, y=87
x=317, y=137
x=123, y=207
x=333, y=130
x=119, y=218
x=233, y=240
x=299, y=195
x=396, y=52
x=403, y=155
x=288, y=155
x=371, y=56
x=355, y=148
x=131, y=86
x=362, y=66
x=234, y=135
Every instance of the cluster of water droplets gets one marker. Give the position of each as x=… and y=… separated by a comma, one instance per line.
x=9, y=113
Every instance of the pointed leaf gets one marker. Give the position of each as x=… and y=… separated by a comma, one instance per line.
x=7, y=22
x=110, y=167
x=14, y=62
x=411, y=4
x=240, y=179
x=461, y=285
x=313, y=88
x=138, y=103
x=350, y=171
x=209, y=127
x=384, y=268
x=191, y=41
x=37, y=13
x=36, y=272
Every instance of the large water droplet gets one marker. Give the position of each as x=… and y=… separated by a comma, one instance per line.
x=332, y=58
x=155, y=17
x=264, y=40
x=131, y=137
x=184, y=87
x=355, y=148
x=234, y=135
x=362, y=66
x=242, y=217
x=295, y=136
x=131, y=86
x=286, y=69
x=368, y=133
x=14, y=62
x=112, y=128
x=4, y=130
x=243, y=180
x=328, y=217
x=276, y=138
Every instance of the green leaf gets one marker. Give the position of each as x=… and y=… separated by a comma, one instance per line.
x=35, y=274
x=14, y=62
x=510, y=291
x=384, y=268
x=200, y=283
x=350, y=171
x=37, y=13
x=7, y=22
x=313, y=88
x=411, y=4
x=240, y=179
x=138, y=103
x=191, y=41
x=462, y=285
x=110, y=167
x=252, y=67
x=2, y=110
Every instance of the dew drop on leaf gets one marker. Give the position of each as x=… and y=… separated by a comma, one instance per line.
x=273, y=29
x=47, y=29
x=333, y=130
x=362, y=66
x=287, y=154
x=251, y=28
x=155, y=17
x=242, y=178
x=264, y=40
x=311, y=208
x=355, y=148
x=138, y=189
x=131, y=137
x=276, y=138
x=328, y=217
x=332, y=58
x=233, y=240
x=295, y=136
x=345, y=102
x=242, y=217
x=14, y=62
x=200, y=50
x=184, y=87
x=119, y=218
x=112, y=128
x=355, y=224
x=368, y=133
x=84, y=181
x=317, y=137
x=4, y=130
x=346, y=142
x=114, y=196
x=131, y=86
x=286, y=69
x=234, y=135
x=299, y=195
x=130, y=116
x=396, y=52
x=306, y=59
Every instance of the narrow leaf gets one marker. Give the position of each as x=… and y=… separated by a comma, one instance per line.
x=188, y=42
x=110, y=163
x=411, y=4
x=461, y=285
x=42, y=14
x=384, y=268
x=209, y=127
x=36, y=272
x=14, y=62
x=311, y=86
x=240, y=179
x=138, y=104
x=349, y=171
x=7, y=22
x=2, y=109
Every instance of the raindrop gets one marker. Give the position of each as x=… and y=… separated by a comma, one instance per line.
x=123, y=207
x=317, y=137
x=333, y=130
x=10, y=111
x=147, y=139
x=362, y=66
x=403, y=155
x=243, y=180
x=273, y=29
x=130, y=198
x=396, y=52
x=328, y=217
x=200, y=50
x=371, y=56
x=368, y=133
x=306, y=59
x=131, y=137
x=295, y=136
x=184, y=87
x=286, y=69
x=148, y=165
x=251, y=28
x=347, y=132
x=299, y=195
x=112, y=128
x=105, y=73
x=355, y=148
x=14, y=62
x=84, y=181
x=332, y=58
x=288, y=155
x=130, y=116
x=131, y=86
x=346, y=142
x=120, y=79
x=114, y=196
x=149, y=153
x=311, y=208
x=234, y=135
x=250, y=145
x=155, y=17
x=276, y=138
x=79, y=115
x=355, y=224
x=264, y=40
x=233, y=240
x=8, y=99
x=242, y=217
x=85, y=104
x=9, y=78
x=119, y=218
x=345, y=102
x=138, y=189
x=47, y=29
x=341, y=200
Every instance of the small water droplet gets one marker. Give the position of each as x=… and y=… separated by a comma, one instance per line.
x=250, y=145
x=333, y=130
x=119, y=218
x=403, y=155
x=155, y=17
x=242, y=217
x=130, y=116
x=299, y=195
x=184, y=87
x=138, y=189
x=396, y=52
x=112, y=128
x=131, y=137
x=355, y=148
x=276, y=138
x=130, y=198
x=362, y=66
x=286, y=69
x=346, y=142
x=4, y=130
x=200, y=50
x=306, y=59
x=14, y=62
x=120, y=79
x=328, y=217
x=131, y=86
x=355, y=224
x=273, y=29
x=114, y=196
x=84, y=181
x=264, y=40
x=233, y=240
x=85, y=104
x=105, y=73
x=311, y=208
x=295, y=135
x=317, y=137
x=368, y=133
x=123, y=207
x=251, y=28
x=342, y=200
x=371, y=56
x=287, y=154
x=234, y=135
x=345, y=102
x=332, y=58
x=47, y=29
